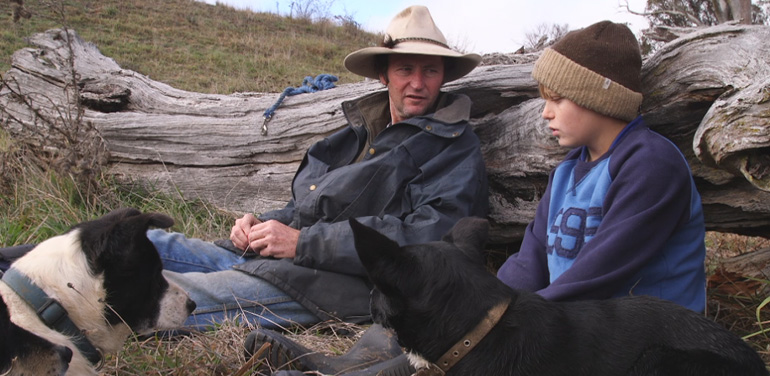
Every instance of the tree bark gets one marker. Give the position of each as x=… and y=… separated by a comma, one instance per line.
x=733, y=10
x=700, y=88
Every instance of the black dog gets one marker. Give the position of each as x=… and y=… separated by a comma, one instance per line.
x=24, y=353
x=432, y=295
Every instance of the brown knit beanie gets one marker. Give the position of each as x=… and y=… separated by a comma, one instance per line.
x=597, y=67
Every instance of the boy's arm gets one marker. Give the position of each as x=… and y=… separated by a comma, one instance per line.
x=649, y=198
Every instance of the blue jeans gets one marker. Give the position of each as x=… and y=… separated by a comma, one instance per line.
x=205, y=271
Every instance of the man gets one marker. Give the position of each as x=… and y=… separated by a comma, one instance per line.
x=408, y=165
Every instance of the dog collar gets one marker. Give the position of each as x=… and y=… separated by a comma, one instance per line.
x=466, y=344
x=51, y=313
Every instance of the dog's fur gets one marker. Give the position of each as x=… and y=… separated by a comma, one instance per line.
x=432, y=294
x=107, y=275
x=24, y=353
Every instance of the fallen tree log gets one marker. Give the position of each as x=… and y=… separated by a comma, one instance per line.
x=210, y=146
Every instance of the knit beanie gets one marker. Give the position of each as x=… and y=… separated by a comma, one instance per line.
x=597, y=67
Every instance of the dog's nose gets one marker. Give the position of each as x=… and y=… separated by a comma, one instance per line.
x=190, y=305
x=65, y=353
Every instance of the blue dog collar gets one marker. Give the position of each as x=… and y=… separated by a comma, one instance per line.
x=51, y=313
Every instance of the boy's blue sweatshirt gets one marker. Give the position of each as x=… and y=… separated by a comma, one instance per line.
x=629, y=223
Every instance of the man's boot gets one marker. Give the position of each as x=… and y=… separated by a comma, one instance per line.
x=398, y=366
x=376, y=345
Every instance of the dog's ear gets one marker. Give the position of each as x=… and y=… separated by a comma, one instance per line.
x=371, y=246
x=156, y=220
x=145, y=220
x=118, y=214
x=470, y=235
x=118, y=234
x=137, y=226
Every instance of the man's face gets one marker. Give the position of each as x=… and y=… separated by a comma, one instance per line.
x=413, y=83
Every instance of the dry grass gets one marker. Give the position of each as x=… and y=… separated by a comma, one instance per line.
x=724, y=245
x=734, y=302
x=219, y=352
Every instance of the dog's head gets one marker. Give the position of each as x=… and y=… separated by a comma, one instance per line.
x=430, y=294
x=117, y=247
x=24, y=353
x=108, y=276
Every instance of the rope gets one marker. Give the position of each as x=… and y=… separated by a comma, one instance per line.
x=309, y=85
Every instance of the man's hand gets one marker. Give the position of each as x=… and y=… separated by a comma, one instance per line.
x=274, y=239
x=239, y=235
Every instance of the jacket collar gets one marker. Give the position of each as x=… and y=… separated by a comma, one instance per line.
x=372, y=112
x=51, y=313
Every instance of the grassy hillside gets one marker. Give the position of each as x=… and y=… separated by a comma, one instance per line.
x=188, y=44
x=192, y=45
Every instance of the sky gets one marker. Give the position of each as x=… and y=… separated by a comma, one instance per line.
x=481, y=26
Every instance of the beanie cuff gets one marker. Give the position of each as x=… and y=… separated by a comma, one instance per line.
x=585, y=87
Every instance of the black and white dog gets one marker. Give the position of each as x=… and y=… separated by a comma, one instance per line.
x=91, y=287
x=24, y=353
x=452, y=314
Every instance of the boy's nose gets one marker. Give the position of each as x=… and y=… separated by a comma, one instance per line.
x=547, y=113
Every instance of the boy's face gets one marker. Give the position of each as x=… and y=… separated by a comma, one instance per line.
x=413, y=83
x=573, y=125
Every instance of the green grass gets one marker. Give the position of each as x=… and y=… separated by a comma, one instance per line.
x=195, y=46
x=43, y=203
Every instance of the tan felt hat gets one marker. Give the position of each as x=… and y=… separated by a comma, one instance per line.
x=412, y=32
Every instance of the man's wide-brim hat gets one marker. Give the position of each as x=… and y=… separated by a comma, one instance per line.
x=412, y=32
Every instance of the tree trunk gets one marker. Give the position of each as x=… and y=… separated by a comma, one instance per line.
x=741, y=11
x=210, y=146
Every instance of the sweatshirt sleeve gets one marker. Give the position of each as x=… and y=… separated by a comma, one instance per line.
x=649, y=198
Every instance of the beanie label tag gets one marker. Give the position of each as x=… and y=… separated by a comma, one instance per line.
x=606, y=84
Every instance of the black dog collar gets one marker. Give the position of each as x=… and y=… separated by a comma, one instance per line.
x=466, y=344
x=51, y=313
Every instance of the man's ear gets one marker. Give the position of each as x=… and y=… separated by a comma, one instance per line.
x=384, y=79
x=470, y=235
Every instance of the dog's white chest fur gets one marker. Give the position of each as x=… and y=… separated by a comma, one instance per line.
x=417, y=361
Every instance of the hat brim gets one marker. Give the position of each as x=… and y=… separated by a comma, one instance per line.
x=361, y=62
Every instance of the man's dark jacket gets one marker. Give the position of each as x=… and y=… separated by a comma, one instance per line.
x=411, y=181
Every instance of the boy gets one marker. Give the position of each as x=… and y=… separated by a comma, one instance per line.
x=620, y=215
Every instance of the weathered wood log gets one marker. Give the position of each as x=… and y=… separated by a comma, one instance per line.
x=210, y=146
x=686, y=84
